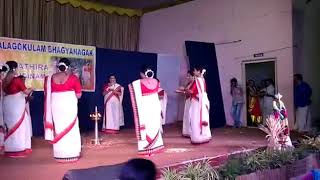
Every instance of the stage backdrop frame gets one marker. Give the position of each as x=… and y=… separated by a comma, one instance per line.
x=125, y=65
x=37, y=59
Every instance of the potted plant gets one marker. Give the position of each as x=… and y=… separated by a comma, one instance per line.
x=192, y=171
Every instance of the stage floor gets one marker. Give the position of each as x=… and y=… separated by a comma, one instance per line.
x=122, y=147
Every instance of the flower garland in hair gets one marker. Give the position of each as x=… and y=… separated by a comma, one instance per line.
x=7, y=67
x=203, y=71
x=149, y=71
x=63, y=64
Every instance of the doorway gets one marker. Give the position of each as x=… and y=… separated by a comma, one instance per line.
x=260, y=79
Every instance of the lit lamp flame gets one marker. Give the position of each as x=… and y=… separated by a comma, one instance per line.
x=95, y=116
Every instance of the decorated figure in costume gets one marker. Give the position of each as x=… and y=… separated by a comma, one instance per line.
x=86, y=74
x=147, y=112
x=280, y=114
x=113, y=117
x=62, y=91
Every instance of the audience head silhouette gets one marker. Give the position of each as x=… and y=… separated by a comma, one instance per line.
x=138, y=169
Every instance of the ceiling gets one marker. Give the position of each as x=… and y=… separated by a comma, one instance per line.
x=156, y=4
x=140, y=4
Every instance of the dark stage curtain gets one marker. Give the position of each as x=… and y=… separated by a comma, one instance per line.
x=125, y=65
x=204, y=54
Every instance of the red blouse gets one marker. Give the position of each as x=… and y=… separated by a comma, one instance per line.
x=72, y=84
x=16, y=85
x=194, y=89
x=146, y=91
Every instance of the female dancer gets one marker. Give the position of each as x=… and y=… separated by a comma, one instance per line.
x=199, y=109
x=113, y=110
x=17, y=141
x=185, y=91
x=62, y=91
x=147, y=112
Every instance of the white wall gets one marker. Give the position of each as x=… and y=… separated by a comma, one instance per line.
x=168, y=72
x=307, y=39
x=262, y=25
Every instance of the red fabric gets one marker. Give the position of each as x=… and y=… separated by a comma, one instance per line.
x=151, y=141
x=59, y=136
x=254, y=108
x=142, y=127
x=205, y=123
x=150, y=152
x=286, y=131
x=110, y=131
x=145, y=90
x=118, y=89
x=72, y=84
x=17, y=154
x=161, y=93
x=276, y=114
x=16, y=85
x=194, y=90
x=105, y=87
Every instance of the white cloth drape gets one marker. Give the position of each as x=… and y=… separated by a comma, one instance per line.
x=147, y=112
x=199, y=115
x=61, y=123
x=303, y=119
x=64, y=113
x=18, y=137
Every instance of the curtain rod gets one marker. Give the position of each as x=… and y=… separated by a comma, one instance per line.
x=228, y=42
x=268, y=51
